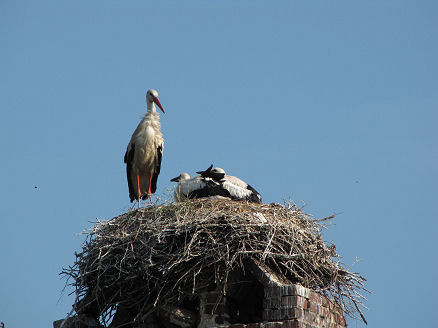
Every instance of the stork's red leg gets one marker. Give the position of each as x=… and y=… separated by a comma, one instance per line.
x=139, y=191
x=149, y=190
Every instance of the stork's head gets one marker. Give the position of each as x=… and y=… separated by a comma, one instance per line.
x=152, y=97
x=218, y=170
x=181, y=177
x=216, y=174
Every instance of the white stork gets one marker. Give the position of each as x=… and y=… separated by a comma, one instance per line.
x=237, y=189
x=144, y=152
x=197, y=187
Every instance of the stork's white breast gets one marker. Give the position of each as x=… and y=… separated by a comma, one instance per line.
x=145, y=148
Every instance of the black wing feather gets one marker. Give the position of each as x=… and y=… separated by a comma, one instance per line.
x=211, y=189
x=157, y=169
x=129, y=157
x=255, y=197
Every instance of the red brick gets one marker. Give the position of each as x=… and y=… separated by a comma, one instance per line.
x=237, y=325
x=275, y=315
x=332, y=317
x=313, y=307
x=325, y=301
x=292, y=324
x=306, y=325
x=272, y=303
x=306, y=305
x=292, y=301
x=285, y=314
x=315, y=297
x=277, y=324
x=288, y=290
x=310, y=317
x=288, y=301
x=273, y=291
x=300, y=301
x=303, y=291
x=291, y=313
x=272, y=315
x=298, y=313
x=323, y=311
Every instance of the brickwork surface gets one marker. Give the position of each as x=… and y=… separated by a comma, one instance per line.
x=293, y=306
x=290, y=306
x=284, y=306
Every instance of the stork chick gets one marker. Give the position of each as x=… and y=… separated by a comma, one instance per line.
x=197, y=187
x=237, y=188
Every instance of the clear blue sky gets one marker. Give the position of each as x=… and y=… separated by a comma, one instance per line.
x=331, y=103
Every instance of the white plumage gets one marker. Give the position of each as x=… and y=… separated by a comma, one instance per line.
x=144, y=152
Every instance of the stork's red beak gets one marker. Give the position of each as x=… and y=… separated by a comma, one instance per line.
x=157, y=102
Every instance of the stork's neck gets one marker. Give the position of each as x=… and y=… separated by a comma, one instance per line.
x=151, y=107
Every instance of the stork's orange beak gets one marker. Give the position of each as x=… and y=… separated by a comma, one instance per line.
x=157, y=102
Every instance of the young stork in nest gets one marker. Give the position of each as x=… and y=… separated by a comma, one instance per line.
x=144, y=152
x=197, y=187
x=214, y=182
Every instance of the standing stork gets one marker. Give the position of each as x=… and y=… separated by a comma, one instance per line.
x=144, y=152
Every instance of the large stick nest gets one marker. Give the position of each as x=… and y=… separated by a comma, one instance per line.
x=167, y=254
